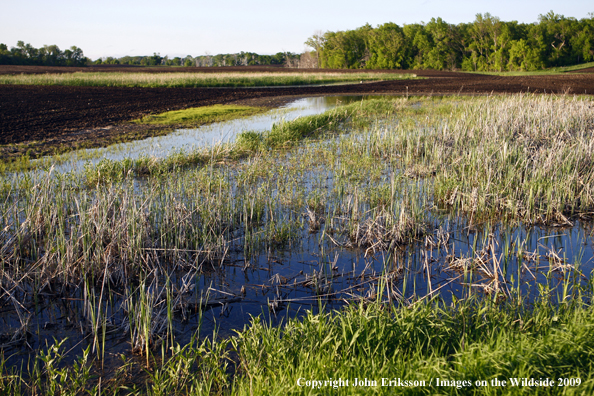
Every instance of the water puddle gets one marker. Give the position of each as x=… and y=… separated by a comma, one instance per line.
x=187, y=140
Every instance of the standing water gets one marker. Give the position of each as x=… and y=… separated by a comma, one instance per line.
x=208, y=135
x=339, y=220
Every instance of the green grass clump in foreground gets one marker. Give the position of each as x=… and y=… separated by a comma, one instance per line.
x=467, y=341
x=462, y=343
x=202, y=115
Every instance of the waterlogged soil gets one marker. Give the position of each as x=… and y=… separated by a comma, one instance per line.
x=189, y=138
x=312, y=272
x=316, y=266
x=46, y=119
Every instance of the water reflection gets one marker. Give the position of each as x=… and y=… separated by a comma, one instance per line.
x=206, y=135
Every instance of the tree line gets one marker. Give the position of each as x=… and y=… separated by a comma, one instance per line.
x=237, y=59
x=51, y=55
x=486, y=44
x=48, y=55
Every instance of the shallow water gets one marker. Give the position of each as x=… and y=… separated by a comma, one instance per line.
x=453, y=259
x=314, y=272
x=205, y=136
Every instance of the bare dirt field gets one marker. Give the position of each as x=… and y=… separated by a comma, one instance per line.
x=588, y=70
x=84, y=114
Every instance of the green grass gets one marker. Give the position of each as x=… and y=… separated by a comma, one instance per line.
x=575, y=67
x=202, y=115
x=466, y=343
x=462, y=342
x=194, y=80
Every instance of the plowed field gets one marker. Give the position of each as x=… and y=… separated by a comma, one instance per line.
x=41, y=113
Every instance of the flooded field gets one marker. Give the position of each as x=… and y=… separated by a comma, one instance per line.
x=388, y=200
x=187, y=140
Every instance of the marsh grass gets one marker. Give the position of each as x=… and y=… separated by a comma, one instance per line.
x=388, y=178
x=195, y=80
x=523, y=157
x=282, y=135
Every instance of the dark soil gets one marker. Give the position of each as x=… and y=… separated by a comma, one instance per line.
x=588, y=70
x=91, y=116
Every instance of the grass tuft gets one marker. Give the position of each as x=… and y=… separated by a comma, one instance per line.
x=201, y=115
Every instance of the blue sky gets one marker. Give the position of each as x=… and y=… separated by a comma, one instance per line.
x=186, y=27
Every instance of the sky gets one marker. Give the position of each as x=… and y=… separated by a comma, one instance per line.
x=185, y=27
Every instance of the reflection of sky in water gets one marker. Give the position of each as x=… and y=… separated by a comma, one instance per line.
x=207, y=135
x=224, y=132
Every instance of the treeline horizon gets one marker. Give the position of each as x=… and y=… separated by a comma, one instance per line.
x=48, y=55
x=237, y=59
x=51, y=55
x=486, y=44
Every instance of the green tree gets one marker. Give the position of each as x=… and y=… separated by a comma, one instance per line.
x=522, y=56
x=553, y=34
x=345, y=50
x=52, y=55
x=386, y=46
x=582, y=42
x=485, y=32
x=442, y=52
x=189, y=61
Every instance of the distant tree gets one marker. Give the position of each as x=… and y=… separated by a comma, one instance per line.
x=50, y=55
x=442, y=54
x=521, y=56
x=345, y=50
x=557, y=32
x=278, y=58
x=111, y=61
x=487, y=43
x=218, y=60
x=172, y=62
x=308, y=60
x=291, y=60
x=189, y=61
x=74, y=57
x=5, y=57
x=316, y=42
